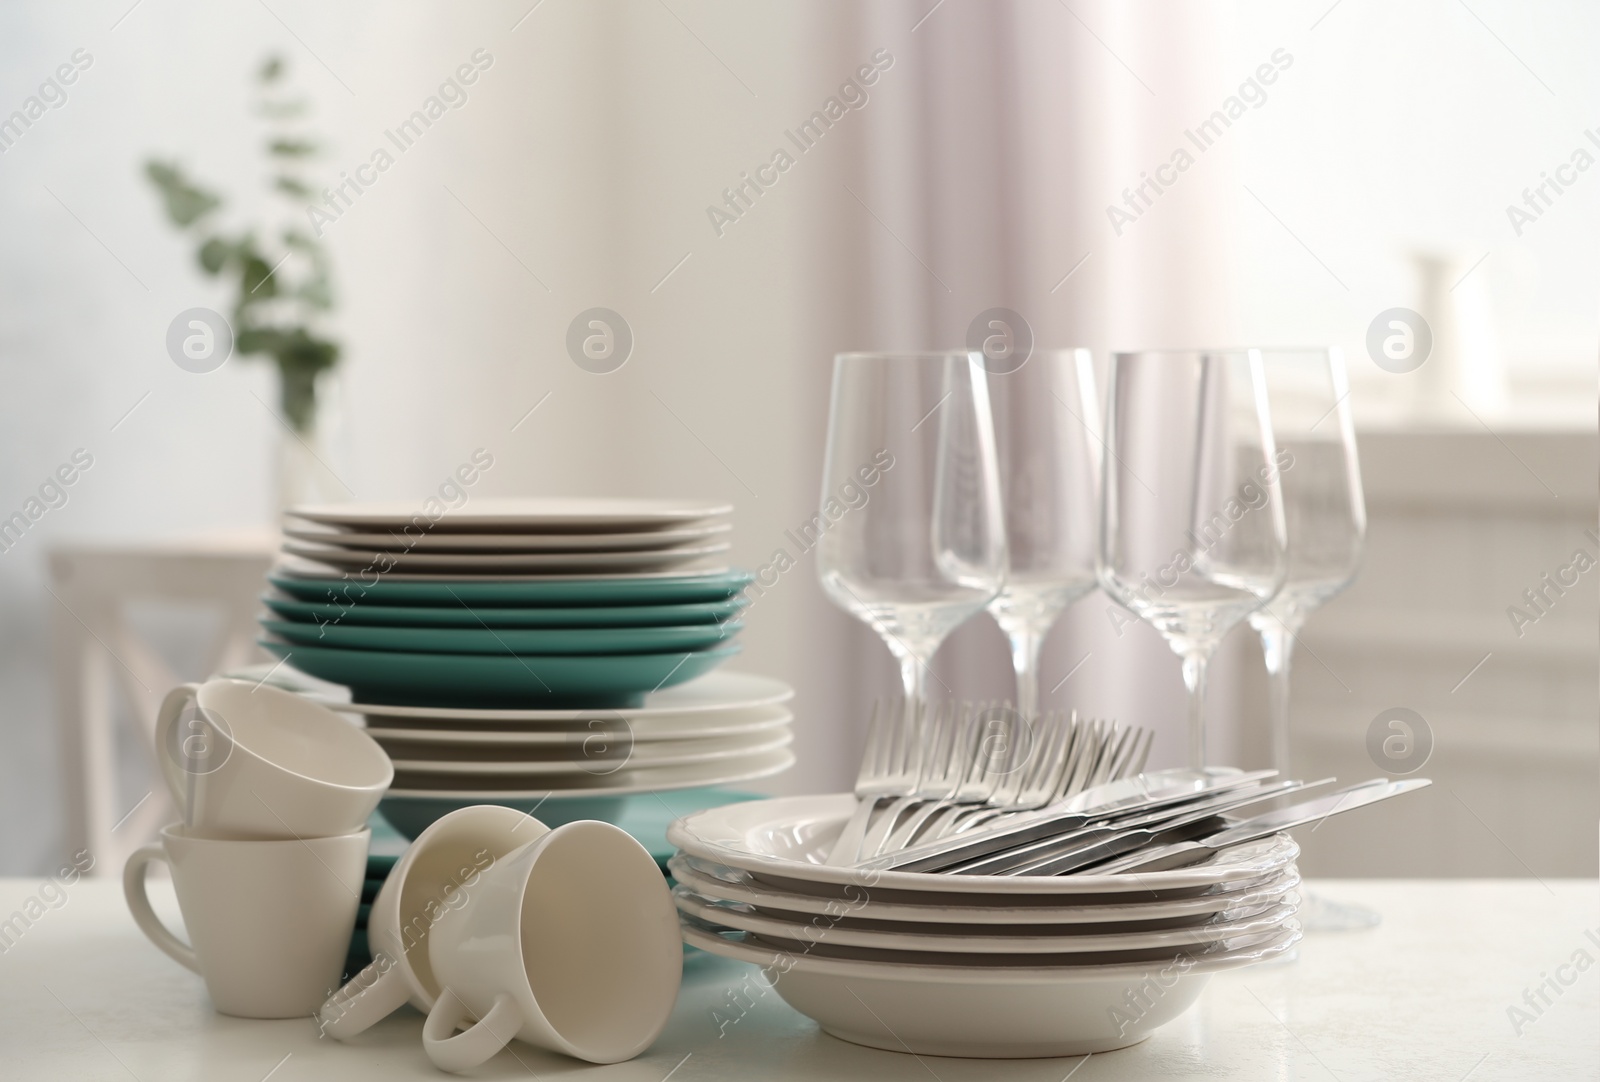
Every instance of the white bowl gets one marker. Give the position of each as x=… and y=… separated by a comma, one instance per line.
x=1162, y=909
x=979, y=941
x=998, y=1013
x=784, y=842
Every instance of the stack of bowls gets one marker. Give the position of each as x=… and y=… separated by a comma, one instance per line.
x=549, y=654
x=971, y=965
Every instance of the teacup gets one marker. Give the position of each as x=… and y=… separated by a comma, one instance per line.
x=269, y=922
x=258, y=762
x=438, y=872
x=570, y=943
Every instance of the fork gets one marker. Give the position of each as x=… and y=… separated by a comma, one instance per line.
x=1025, y=785
x=982, y=782
x=953, y=740
x=890, y=766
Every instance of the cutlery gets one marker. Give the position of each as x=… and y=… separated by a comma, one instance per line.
x=1105, y=839
x=889, y=768
x=1144, y=792
x=1261, y=826
x=929, y=775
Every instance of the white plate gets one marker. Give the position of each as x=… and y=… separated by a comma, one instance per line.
x=483, y=563
x=621, y=783
x=652, y=540
x=612, y=755
x=716, y=691
x=999, y=1012
x=536, y=734
x=527, y=515
x=296, y=567
x=734, y=885
x=977, y=940
x=785, y=840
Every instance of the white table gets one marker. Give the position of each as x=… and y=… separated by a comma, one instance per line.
x=84, y=997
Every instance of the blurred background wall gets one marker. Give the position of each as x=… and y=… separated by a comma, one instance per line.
x=978, y=172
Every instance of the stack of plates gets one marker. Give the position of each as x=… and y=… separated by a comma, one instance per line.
x=553, y=656
x=513, y=603
x=563, y=765
x=969, y=965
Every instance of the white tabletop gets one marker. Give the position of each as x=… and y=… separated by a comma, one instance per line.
x=1428, y=995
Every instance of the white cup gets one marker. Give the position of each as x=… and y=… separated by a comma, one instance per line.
x=269, y=922
x=253, y=761
x=437, y=872
x=570, y=943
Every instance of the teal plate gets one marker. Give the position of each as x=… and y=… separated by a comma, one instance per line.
x=482, y=640
x=617, y=590
x=608, y=681
x=311, y=612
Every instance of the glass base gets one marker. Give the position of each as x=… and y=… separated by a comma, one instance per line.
x=1319, y=914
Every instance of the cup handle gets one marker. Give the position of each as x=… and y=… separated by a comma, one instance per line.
x=370, y=996
x=482, y=1040
x=133, y=886
x=171, y=709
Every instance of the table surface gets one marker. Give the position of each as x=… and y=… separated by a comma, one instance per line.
x=1427, y=995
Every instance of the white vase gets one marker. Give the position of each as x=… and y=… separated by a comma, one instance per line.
x=1465, y=367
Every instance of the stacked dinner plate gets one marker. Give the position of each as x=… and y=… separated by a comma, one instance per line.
x=971, y=965
x=557, y=654
x=511, y=603
x=564, y=765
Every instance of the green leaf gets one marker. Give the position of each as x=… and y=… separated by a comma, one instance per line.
x=299, y=239
x=214, y=254
x=292, y=186
x=185, y=203
x=271, y=69
x=291, y=148
x=256, y=278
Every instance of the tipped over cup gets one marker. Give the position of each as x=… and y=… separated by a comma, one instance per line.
x=570, y=943
x=248, y=761
x=438, y=873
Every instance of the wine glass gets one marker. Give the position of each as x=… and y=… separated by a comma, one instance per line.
x=910, y=536
x=1191, y=525
x=1326, y=517
x=1046, y=418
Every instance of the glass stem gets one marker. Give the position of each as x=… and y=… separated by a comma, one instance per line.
x=913, y=680
x=1277, y=646
x=1194, y=678
x=1025, y=661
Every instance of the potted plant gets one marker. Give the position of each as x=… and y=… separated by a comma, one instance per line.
x=279, y=276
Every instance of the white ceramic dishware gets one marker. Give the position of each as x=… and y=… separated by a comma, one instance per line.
x=571, y=943
x=598, y=755
x=507, y=542
x=1002, y=1012
x=269, y=922
x=490, y=563
x=254, y=761
x=555, y=734
x=708, y=697
x=436, y=873
x=527, y=514
x=980, y=941
x=1124, y=910
x=785, y=840
x=499, y=787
